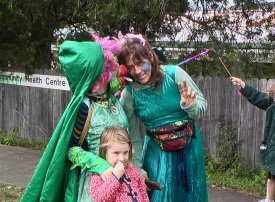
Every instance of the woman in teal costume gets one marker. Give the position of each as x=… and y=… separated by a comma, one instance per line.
x=63, y=173
x=157, y=96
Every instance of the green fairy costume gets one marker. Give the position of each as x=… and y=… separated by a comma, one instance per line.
x=63, y=171
x=183, y=179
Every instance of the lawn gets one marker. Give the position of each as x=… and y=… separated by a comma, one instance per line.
x=10, y=193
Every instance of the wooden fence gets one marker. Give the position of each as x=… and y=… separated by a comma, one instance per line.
x=224, y=101
x=34, y=113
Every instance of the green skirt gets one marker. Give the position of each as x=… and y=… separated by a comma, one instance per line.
x=161, y=167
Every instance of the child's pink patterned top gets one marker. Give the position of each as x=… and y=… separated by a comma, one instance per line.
x=119, y=190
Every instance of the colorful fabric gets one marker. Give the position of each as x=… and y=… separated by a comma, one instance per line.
x=79, y=124
x=87, y=160
x=159, y=107
x=173, y=136
x=126, y=189
x=82, y=63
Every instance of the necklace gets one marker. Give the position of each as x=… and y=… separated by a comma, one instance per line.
x=112, y=107
x=106, y=102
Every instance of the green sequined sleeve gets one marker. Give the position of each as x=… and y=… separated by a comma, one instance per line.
x=87, y=160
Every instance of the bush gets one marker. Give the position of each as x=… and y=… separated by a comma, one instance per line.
x=226, y=169
x=12, y=139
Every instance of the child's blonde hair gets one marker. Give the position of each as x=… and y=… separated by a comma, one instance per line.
x=114, y=134
x=271, y=91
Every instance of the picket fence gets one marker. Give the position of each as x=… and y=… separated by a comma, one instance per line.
x=35, y=112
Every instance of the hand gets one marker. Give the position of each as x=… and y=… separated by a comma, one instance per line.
x=119, y=169
x=186, y=93
x=107, y=173
x=152, y=185
x=237, y=82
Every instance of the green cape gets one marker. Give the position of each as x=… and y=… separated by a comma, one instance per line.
x=82, y=63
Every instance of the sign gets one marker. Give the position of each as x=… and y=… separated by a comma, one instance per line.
x=34, y=80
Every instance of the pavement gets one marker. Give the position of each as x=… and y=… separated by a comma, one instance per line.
x=18, y=164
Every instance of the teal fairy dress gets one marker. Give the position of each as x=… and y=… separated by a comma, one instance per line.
x=181, y=173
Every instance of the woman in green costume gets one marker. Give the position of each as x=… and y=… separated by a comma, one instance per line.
x=161, y=96
x=63, y=173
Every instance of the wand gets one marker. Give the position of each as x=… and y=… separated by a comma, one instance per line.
x=223, y=64
x=219, y=57
x=194, y=57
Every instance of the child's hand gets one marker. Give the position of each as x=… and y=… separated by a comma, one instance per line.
x=187, y=94
x=107, y=173
x=119, y=169
x=237, y=82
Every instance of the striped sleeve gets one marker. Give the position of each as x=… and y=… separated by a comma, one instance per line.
x=79, y=124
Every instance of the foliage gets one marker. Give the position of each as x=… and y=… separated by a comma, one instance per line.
x=154, y=17
x=227, y=156
x=249, y=182
x=10, y=193
x=227, y=146
x=29, y=28
x=226, y=169
x=242, y=60
x=11, y=139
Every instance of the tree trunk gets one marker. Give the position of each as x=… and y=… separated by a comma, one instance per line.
x=42, y=56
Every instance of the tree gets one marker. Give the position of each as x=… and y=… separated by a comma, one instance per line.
x=242, y=35
x=29, y=28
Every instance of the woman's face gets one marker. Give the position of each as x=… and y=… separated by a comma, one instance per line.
x=140, y=72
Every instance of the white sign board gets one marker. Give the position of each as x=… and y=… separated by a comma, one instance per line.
x=34, y=80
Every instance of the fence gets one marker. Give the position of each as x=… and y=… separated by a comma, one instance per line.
x=248, y=120
x=35, y=112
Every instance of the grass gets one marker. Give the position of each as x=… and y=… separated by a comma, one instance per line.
x=11, y=139
x=237, y=177
x=246, y=185
x=10, y=193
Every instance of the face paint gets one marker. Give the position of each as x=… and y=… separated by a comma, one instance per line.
x=147, y=67
x=140, y=71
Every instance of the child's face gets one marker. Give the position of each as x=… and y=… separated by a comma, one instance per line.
x=118, y=152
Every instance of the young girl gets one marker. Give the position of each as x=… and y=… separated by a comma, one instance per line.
x=265, y=101
x=126, y=182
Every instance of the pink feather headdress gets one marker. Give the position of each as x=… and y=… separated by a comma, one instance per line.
x=122, y=37
x=111, y=47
